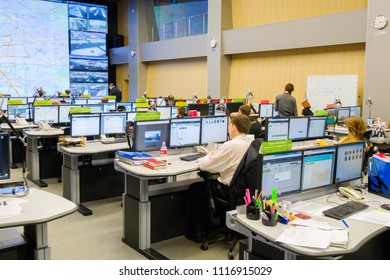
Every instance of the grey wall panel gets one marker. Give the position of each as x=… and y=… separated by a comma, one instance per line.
x=186, y=47
x=342, y=28
x=119, y=55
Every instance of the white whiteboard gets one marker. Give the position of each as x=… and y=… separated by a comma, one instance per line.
x=323, y=89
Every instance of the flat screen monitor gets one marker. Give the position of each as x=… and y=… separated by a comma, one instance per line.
x=127, y=106
x=95, y=108
x=355, y=111
x=232, y=107
x=109, y=107
x=4, y=156
x=19, y=111
x=342, y=114
x=161, y=102
x=184, y=132
x=281, y=171
x=149, y=135
x=87, y=44
x=276, y=129
x=165, y=112
x=214, y=129
x=94, y=101
x=64, y=115
x=84, y=125
x=331, y=116
x=298, y=128
x=113, y=123
x=47, y=114
x=317, y=127
x=81, y=101
x=317, y=167
x=203, y=108
x=349, y=161
x=266, y=110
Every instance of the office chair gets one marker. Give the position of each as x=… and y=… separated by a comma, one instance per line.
x=247, y=176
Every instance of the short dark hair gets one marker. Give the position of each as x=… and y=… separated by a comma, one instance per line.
x=245, y=110
x=111, y=85
x=242, y=122
x=181, y=110
x=289, y=88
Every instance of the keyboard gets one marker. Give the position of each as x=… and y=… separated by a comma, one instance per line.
x=192, y=157
x=113, y=140
x=345, y=210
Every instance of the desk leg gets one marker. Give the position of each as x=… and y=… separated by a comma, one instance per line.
x=71, y=183
x=38, y=236
x=137, y=218
x=32, y=160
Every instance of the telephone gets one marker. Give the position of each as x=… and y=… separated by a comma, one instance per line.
x=21, y=121
x=44, y=126
x=202, y=150
x=351, y=193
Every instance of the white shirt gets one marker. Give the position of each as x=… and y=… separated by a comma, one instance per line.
x=226, y=159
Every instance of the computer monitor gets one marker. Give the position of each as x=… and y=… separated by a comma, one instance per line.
x=4, y=156
x=184, y=132
x=342, y=114
x=266, y=110
x=108, y=107
x=19, y=111
x=203, y=108
x=47, y=114
x=298, y=128
x=94, y=101
x=161, y=101
x=281, y=171
x=128, y=106
x=331, y=116
x=64, y=113
x=84, y=125
x=214, y=129
x=355, y=111
x=317, y=167
x=165, y=112
x=349, y=161
x=149, y=135
x=113, y=123
x=81, y=101
x=232, y=107
x=276, y=129
x=95, y=108
x=317, y=127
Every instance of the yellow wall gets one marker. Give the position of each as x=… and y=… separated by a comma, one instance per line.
x=122, y=80
x=267, y=73
x=248, y=13
x=178, y=77
x=123, y=20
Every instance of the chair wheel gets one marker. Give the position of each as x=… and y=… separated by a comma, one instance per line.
x=204, y=246
x=230, y=256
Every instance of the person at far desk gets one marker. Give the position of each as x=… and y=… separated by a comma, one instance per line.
x=224, y=161
x=181, y=112
x=115, y=91
x=356, y=128
x=285, y=103
x=255, y=125
x=306, y=111
x=170, y=101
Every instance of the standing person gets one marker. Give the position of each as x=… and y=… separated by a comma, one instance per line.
x=115, y=91
x=306, y=111
x=225, y=162
x=285, y=103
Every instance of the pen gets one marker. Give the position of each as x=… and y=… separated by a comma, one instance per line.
x=345, y=223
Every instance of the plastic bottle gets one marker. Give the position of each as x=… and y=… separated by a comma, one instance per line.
x=163, y=151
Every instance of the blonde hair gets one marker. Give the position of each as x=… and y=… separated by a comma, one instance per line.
x=356, y=129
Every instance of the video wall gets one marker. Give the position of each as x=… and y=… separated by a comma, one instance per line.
x=53, y=45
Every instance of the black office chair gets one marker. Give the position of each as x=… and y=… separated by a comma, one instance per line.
x=369, y=150
x=246, y=176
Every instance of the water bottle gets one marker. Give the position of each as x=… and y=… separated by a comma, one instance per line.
x=163, y=152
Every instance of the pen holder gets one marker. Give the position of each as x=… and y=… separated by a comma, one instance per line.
x=272, y=219
x=252, y=212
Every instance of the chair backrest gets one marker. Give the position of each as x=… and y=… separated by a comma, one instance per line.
x=368, y=150
x=247, y=175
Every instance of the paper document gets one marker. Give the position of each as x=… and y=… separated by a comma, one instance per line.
x=373, y=217
x=340, y=238
x=307, y=207
x=314, y=224
x=306, y=237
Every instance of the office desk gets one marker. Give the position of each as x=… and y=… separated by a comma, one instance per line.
x=137, y=206
x=32, y=153
x=360, y=233
x=71, y=171
x=41, y=207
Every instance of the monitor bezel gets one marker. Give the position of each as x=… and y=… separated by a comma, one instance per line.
x=136, y=132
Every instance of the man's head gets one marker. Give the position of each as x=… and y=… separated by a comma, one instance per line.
x=181, y=111
x=244, y=110
x=111, y=85
x=240, y=124
x=289, y=88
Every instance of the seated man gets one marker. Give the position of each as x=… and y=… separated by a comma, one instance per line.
x=224, y=161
